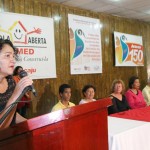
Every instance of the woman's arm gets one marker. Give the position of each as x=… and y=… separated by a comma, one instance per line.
x=130, y=100
x=24, y=82
x=6, y=123
x=142, y=100
x=19, y=118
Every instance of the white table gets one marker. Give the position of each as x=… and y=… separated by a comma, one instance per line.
x=125, y=134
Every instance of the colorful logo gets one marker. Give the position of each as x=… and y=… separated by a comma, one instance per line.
x=17, y=33
x=76, y=43
x=128, y=51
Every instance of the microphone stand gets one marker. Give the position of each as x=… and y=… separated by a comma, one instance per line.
x=13, y=105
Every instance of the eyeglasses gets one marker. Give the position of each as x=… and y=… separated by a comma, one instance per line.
x=10, y=56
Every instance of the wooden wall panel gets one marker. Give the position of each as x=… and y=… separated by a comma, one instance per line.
x=48, y=88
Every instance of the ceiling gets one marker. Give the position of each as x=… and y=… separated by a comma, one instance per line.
x=135, y=9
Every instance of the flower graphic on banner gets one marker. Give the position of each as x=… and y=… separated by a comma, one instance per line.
x=122, y=49
x=125, y=48
x=76, y=43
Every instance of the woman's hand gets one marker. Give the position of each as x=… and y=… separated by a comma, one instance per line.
x=20, y=86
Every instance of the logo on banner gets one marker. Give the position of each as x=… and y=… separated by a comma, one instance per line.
x=76, y=43
x=25, y=40
x=128, y=51
x=17, y=33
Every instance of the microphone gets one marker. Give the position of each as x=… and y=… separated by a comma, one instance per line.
x=22, y=74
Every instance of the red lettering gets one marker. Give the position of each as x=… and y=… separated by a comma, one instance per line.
x=31, y=51
x=30, y=70
x=25, y=51
x=20, y=50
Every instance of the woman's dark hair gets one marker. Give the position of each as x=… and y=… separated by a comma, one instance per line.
x=63, y=87
x=16, y=70
x=86, y=87
x=131, y=81
x=6, y=41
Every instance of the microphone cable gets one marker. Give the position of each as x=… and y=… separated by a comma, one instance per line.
x=16, y=103
x=10, y=107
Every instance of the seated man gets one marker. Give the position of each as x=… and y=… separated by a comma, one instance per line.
x=65, y=95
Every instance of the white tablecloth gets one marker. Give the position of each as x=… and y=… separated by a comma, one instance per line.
x=125, y=134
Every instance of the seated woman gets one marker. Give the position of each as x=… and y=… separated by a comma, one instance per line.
x=118, y=99
x=134, y=95
x=88, y=92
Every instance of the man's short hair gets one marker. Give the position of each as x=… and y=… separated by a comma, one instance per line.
x=63, y=87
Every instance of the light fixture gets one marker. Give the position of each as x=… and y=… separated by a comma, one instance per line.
x=57, y=18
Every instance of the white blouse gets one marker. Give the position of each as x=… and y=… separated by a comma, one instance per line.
x=83, y=101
